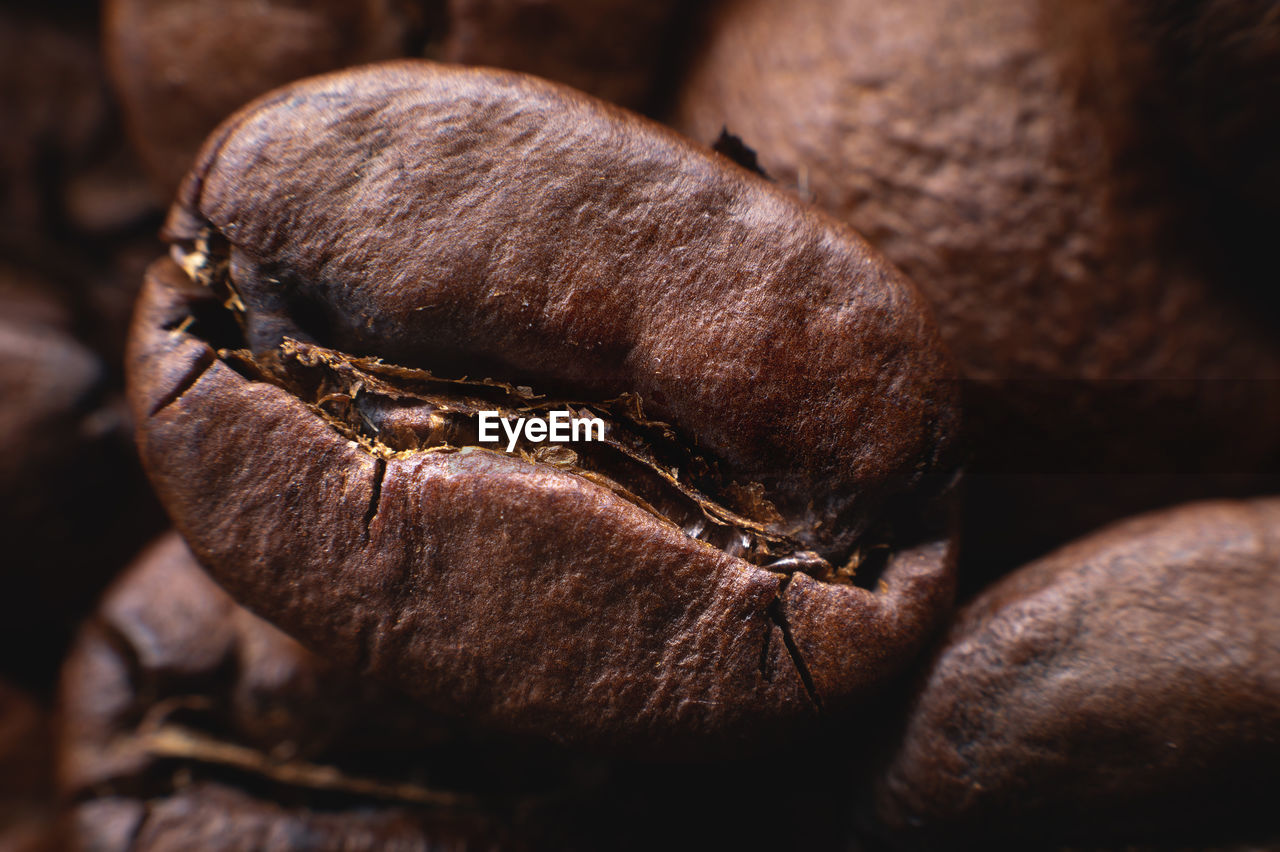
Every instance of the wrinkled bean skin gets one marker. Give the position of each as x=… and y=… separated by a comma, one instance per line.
x=171, y=683
x=1125, y=688
x=487, y=224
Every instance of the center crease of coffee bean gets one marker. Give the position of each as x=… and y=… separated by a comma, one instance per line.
x=393, y=411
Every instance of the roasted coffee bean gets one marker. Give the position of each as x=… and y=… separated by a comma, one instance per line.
x=758, y=539
x=53, y=388
x=73, y=204
x=1085, y=286
x=1123, y=689
x=64, y=170
x=181, y=67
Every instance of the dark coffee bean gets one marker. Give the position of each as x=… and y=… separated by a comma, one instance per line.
x=779, y=411
x=65, y=171
x=1123, y=689
x=1092, y=294
x=73, y=203
x=624, y=51
x=1219, y=62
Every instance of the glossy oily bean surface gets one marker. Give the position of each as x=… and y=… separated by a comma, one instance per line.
x=758, y=539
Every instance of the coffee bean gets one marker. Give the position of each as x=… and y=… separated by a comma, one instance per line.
x=186, y=720
x=624, y=51
x=1098, y=301
x=780, y=411
x=1125, y=688
x=1219, y=65
x=74, y=205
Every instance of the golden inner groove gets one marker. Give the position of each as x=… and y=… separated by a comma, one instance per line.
x=394, y=412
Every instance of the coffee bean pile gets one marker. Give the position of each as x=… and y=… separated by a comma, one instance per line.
x=936, y=351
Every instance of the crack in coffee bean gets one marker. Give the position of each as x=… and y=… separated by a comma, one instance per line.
x=393, y=411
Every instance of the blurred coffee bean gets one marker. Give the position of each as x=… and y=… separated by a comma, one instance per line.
x=624, y=51
x=74, y=204
x=1218, y=62
x=181, y=67
x=1124, y=689
x=1005, y=156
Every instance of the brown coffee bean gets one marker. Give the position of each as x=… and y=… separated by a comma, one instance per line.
x=54, y=111
x=73, y=203
x=1082, y=281
x=73, y=502
x=64, y=169
x=779, y=411
x=1124, y=688
x=44, y=367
